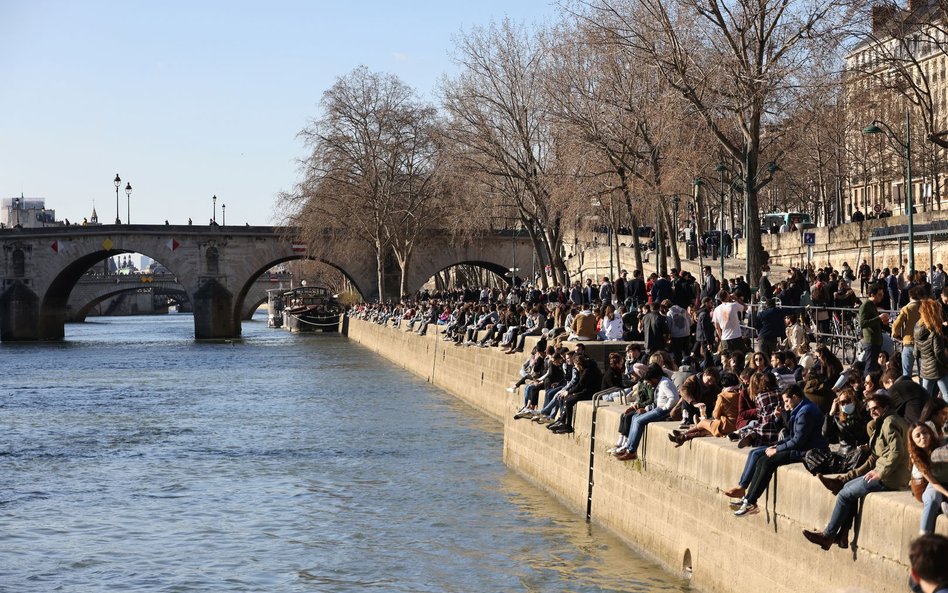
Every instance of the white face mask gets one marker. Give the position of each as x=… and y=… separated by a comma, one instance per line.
x=848, y=408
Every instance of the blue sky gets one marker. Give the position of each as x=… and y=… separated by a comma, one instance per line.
x=186, y=100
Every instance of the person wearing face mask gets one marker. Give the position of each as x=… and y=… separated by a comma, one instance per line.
x=845, y=425
x=887, y=468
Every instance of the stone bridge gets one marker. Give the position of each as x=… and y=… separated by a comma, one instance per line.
x=216, y=266
x=94, y=289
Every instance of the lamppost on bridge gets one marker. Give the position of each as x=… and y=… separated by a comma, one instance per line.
x=214, y=213
x=223, y=214
x=128, y=203
x=118, y=184
x=874, y=128
x=16, y=211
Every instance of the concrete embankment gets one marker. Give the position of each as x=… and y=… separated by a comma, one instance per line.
x=669, y=504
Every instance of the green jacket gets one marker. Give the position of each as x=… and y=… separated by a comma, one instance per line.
x=889, y=454
x=870, y=323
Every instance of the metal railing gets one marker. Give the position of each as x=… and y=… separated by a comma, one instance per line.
x=839, y=330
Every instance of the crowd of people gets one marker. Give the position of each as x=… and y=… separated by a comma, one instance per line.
x=724, y=361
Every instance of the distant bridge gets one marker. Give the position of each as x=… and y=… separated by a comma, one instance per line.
x=94, y=289
x=216, y=266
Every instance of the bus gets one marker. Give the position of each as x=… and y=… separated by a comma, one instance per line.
x=771, y=223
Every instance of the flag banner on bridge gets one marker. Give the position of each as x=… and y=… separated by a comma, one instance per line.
x=299, y=247
x=55, y=246
x=172, y=244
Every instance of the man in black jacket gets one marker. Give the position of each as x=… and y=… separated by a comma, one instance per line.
x=590, y=382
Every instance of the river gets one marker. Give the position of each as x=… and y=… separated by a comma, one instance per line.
x=135, y=459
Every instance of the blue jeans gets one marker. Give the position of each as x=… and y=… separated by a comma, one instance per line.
x=846, y=502
x=909, y=361
x=637, y=430
x=870, y=357
x=931, y=501
x=750, y=464
x=551, y=405
x=941, y=384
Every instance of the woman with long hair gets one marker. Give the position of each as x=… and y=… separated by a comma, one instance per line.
x=929, y=342
x=922, y=441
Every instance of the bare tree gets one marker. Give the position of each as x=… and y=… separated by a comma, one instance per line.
x=499, y=130
x=738, y=63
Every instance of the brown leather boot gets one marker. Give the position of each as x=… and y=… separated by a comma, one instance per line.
x=819, y=538
x=832, y=483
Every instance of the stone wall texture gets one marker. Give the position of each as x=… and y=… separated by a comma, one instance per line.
x=669, y=504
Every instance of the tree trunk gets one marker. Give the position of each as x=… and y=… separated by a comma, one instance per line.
x=380, y=271
x=636, y=247
x=676, y=257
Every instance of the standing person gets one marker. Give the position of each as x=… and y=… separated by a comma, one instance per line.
x=765, y=289
x=938, y=280
x=662, y=290
x=894, y=287
x=727, y=323
x=770, y=328
x=711, y=286
x=930, y=345
x=871, y=322
x=865, y=273
x=605, y=291
x=620, y=287
x=636, y=289
x=704, y=333
x=888, y=468
x=679, y=328
x=904, y=328
x=655, y=329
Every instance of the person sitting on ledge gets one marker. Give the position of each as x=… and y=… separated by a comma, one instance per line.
x=584, y=325
x=922, y=443
x=887, y=468
x=666, y=396
x=590, y=382
x=722, y=420
x=804, y=423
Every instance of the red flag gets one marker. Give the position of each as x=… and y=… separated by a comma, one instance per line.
x=55, y=246
x=172, y=244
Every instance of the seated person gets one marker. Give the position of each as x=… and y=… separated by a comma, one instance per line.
x=845, y=425
x=722, y=420
x=887, y=468
x=666, y=396
x=803, y=421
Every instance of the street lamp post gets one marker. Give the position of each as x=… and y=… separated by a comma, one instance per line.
x=223, y=214
x=874, y=128
x=721, y=168
x=16, y=210
x=214, y=212
x=675, y=201
x=128, y=203
x=118, y=184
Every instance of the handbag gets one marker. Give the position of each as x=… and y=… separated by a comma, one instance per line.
x=918, y=486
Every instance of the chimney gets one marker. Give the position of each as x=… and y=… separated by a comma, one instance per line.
x=882, y=16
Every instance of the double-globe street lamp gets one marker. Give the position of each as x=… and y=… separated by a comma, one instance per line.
x=874, y=128
x=128, y=203
x=118, y=183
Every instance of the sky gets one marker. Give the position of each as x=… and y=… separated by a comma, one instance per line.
x=187, y=100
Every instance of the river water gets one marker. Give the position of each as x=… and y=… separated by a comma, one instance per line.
x=134, y=459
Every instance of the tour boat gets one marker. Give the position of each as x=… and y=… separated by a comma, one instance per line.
x=310, y=309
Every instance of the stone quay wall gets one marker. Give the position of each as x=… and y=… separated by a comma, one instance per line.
x=669, y=504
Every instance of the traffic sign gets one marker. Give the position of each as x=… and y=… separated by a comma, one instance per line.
x=877, y=208
x=809, y=238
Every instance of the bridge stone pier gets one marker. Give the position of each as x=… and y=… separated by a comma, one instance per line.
x=215, y=266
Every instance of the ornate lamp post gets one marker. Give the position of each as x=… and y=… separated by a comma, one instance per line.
x=214, y=213
x=223, y=214
x=118, y=184
x=874, y=128
x=128, y=203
